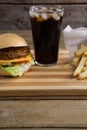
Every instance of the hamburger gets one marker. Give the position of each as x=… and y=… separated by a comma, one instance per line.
x=15, y=55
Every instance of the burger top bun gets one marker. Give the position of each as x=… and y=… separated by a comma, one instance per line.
x=11, y=40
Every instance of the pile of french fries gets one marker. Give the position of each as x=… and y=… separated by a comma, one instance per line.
x=80, y=63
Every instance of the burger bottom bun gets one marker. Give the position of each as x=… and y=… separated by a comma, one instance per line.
x=3, y=73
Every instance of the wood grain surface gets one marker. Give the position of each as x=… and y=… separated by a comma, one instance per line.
x=43, y=114
x=55, y=80
x=15, y=14
x=42, y=1
x=43, y=128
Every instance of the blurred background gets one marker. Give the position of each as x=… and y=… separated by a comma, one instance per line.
x=14, y=14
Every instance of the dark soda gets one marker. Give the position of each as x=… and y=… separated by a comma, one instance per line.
x=46, y=35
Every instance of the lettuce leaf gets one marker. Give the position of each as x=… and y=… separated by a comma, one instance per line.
x=32, y=59
x=16, y=70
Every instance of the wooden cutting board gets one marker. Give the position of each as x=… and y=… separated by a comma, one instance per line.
x=41, y=81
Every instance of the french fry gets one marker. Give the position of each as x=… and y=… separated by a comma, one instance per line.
x=80, y=63
x=84, y=68
x=83, y=75
x=80, y=51
x=86, y=63
x=75, y=61
x=80, y=66
x=67, y=66
x=85, y=53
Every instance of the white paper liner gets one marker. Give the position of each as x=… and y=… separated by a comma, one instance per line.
x=73, y=38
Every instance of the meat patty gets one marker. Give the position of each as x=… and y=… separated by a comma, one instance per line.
x=14, y=52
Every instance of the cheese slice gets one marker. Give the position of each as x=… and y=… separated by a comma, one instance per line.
x=23, y=59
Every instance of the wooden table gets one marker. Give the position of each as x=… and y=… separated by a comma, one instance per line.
x=46, y=109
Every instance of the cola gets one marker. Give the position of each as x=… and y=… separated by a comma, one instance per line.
x=46, y=26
